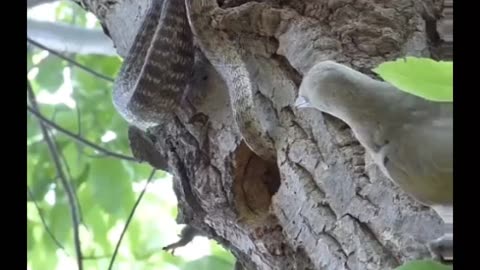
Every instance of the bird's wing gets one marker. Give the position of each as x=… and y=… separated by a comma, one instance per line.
x=420, y=160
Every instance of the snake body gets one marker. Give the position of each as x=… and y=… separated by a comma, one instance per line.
x=158, y=66
x=157, y=69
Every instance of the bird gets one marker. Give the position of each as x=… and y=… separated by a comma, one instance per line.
x=410, y=138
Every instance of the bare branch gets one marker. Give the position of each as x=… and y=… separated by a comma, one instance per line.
x=42, y=218
x=63, y=180
x=67, y=38
x=69, y=174
x=73, y=62
x=130, y=218
x=76, y=137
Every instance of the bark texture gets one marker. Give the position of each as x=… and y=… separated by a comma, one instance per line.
x=323, y=204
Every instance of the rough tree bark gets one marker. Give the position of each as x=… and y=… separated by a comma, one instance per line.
x=323, y=204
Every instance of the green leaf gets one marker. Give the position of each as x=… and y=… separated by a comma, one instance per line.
x=208, y=262
x=168, y=258
x=50, y=73
x=30, y=238
x=41, y=258
x=33, y=129
x=49, y=244
x=60, y=221
x=222, y=253
x=89, y=85
x=106, y=65
x=83, y=176
x=94, y=217
x=43, y=173
x=75, y=160
x=423, y=265
x=67, y=119
x=30, y=165
x=423, y=77
x=111, y=187
x=96, y=221
x=134, y=235
x=143, y=171
x=145, y=238
x=29, y=60
x=68, y=12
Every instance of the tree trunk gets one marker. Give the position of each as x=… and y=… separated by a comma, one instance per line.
x=323, y=204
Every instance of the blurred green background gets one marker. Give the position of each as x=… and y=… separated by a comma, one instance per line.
x=106, y=187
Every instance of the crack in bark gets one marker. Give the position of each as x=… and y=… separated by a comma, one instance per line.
x=310, y=176
x=305, y=221
x=320, y=154
x=190, y=197
x=222, y=186
x=349, y=144
x=366, y=229
x=287, y=68
x=326, y=206
x=299, y=128
x=337, y=243
x=365, y=198
x=267, y=100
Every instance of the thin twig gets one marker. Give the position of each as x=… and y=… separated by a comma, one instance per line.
x=63, y=180
x=94, y=156
x=130, y=218
x=78, y=138
x=73, y=62
x=70, y=178
x=44, y=222
x=67, y=167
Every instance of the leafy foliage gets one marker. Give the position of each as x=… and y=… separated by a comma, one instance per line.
x=423, y=265
x=106, y=188
x=423, y=77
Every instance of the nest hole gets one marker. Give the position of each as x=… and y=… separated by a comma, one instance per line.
x=255, y=183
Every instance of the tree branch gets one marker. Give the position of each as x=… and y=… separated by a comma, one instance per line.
x=45, y=225
x=73, y=62
x=130, y=218
x=69, y=174
x=76, y=137
x=63, y=181
x=67, y=38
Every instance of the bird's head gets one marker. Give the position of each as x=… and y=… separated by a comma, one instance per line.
x=318, y=87
x=332, y=88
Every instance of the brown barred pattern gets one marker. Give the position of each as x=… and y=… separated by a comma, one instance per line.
x=158, y=66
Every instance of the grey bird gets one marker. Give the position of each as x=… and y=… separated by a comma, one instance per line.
x=408, y=137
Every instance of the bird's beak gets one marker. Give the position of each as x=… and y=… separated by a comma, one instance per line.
x=302, y=102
